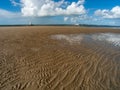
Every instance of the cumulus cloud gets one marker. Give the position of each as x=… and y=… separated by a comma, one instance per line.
x=51, y=8
x=105, y=13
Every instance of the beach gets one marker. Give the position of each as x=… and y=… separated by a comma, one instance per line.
x=59, y=58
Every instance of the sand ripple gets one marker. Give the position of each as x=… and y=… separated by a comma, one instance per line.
x=33, y=61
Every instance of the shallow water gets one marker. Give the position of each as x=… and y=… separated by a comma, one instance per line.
x=100, y=53
x=110, y=38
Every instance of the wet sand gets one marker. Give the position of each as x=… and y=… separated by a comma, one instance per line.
x=59, y=58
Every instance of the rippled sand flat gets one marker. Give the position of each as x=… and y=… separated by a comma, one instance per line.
x=59, y=58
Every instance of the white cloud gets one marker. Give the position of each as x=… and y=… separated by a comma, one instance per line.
x=51, y=8
x=14, y=2
x=105, y=13
x=8, y=14
x=66, y=18
x=78, y=19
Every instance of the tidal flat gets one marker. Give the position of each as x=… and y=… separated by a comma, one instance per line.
x=59, y=58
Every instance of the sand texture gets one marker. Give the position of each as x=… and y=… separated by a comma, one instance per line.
x=59, y=58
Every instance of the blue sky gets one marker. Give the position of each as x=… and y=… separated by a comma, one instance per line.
x=100, y=12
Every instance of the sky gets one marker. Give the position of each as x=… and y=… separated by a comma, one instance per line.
x=93, y=12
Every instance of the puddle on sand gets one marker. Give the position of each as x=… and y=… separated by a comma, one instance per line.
x=110, y=38
x=72, y=38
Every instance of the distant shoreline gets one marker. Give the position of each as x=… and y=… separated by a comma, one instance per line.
x=80, y=25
